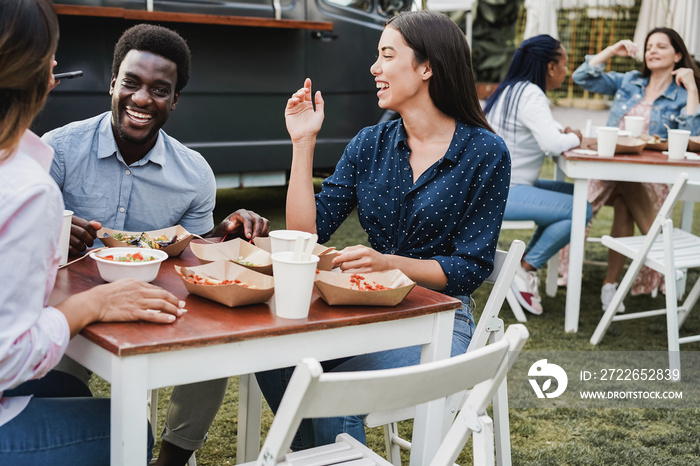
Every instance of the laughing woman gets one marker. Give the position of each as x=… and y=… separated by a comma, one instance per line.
x=430, y=187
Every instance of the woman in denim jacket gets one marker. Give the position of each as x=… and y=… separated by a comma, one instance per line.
x=665, y=93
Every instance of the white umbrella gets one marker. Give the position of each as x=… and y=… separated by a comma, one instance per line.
x=541, y=18
x=681, y=15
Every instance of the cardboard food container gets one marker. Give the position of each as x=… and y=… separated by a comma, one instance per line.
x=694, y=144
x=261, y=287
x=629, y=145
x=655, y=143
x=325, y=254
x=339, y=289
x=183, y=238
x=236, y=250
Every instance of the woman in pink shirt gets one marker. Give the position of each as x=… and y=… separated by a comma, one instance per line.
x=36, y=427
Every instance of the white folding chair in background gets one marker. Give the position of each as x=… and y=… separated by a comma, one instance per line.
x=671, y=252
x=552, y=264
x=313, y=394
x=488, y=330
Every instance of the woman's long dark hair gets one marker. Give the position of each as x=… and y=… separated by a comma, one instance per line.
x=28, y=39
x=529, y=65
x=679, y=46
x=435, y=38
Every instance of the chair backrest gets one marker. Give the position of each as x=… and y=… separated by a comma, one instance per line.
x=505, y=265
x=313, y=394
x=677, y=193
x=681, y=190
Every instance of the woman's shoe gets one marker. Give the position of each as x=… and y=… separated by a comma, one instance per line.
x=526, y=288
x=606, y=296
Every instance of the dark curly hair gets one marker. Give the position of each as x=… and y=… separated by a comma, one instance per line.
x=158, y=40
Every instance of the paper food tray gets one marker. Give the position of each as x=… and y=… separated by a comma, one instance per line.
x=236, y=250
x=694, y=144
x=233, y=294
x=629, y=145
x=335, y=288
x=173, y=250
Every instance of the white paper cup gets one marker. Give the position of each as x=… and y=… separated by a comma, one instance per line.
x=294, y=283
x=607, y=140
x=283, y=240
x=677, y=143
x=64, y=239
x=634, y=124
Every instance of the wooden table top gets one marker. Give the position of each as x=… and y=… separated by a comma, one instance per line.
x=208, y=323
x=648, y=157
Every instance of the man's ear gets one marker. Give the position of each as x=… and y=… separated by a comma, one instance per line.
x=175, y=99
x=112, y=83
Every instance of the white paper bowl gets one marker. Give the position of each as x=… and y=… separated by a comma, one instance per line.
x=111, y=270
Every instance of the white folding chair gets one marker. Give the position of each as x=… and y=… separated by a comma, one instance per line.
x=313, y=394
x=552, y=264
x=670, y=251
x=488, y=330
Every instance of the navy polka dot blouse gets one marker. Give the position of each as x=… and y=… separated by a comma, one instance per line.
x=451, y=214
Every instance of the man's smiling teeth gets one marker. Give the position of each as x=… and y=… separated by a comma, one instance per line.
x=382, y=85
x=139, y=116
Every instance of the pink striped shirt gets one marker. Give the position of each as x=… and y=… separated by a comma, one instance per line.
x=33, y=336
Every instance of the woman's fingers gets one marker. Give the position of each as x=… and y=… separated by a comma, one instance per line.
x=127, y=300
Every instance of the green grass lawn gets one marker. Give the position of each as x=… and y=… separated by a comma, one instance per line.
x=546, y=436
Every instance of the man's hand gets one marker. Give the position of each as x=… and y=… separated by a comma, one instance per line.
x=245, y=223
x=82, y=234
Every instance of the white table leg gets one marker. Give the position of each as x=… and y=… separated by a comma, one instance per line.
x=427, y=426
x=128, y=399
x=578, y=234
x=249, y=417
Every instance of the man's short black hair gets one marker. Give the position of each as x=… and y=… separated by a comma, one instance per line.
x=157, y=40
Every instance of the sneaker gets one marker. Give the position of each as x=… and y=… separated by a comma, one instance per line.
x=606, y=295
x=526, y=288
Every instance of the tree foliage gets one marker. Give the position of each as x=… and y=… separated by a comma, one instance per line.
x=493, y=38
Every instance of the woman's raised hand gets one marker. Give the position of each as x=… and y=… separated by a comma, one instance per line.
x=301, y=118
x=624, y=48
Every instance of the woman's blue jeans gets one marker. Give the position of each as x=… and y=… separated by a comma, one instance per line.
x=58, y=429
x=549, y=204
x=314, y=432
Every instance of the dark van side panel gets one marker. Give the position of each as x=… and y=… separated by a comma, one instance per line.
x=232, y=109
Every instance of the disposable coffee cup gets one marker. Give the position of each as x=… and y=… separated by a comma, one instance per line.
x=634, y=124
x=607, y=140
x=283, y=240
x=677, y=143
x=64, y=239
x=294, y=284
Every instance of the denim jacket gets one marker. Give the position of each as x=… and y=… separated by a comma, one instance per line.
x=628, y=88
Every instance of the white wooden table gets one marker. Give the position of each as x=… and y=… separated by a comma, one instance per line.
x=649, y=166
x=213, y=341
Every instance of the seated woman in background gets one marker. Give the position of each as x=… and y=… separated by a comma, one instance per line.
x=41, y=422
x=429, y=188
x=519, y=112
x=665, y=93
